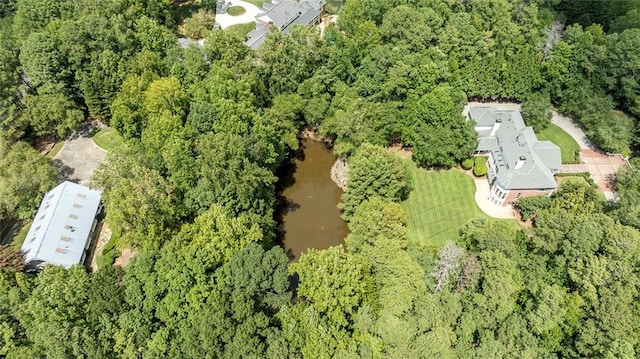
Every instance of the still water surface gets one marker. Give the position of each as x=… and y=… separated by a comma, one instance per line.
x=308, y=214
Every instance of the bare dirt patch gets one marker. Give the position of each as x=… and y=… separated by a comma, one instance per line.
x=405, y=152
x=125, y=257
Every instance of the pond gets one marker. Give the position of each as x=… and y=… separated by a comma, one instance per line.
x=307, y=213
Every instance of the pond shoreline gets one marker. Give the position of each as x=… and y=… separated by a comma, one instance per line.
x=340, y=170
x=307, y=212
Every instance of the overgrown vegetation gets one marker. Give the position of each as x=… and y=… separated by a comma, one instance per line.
x=205, y=129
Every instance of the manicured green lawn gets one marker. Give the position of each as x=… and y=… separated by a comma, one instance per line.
x=108, y=139
x=241, y=29
x=440, y=203
x=236, y=10
x=568, y=146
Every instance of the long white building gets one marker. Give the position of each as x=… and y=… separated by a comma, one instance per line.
x=62, y=229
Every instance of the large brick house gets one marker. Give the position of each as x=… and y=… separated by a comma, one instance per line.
x=519, y=165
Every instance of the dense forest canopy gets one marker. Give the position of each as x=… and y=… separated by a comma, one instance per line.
x=193, y=190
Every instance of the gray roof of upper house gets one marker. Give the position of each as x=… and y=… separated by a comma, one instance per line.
x=283, y=15
x=61, y=229
x=514, y=142
x=185, y=42
x=257, y=36
x=288, y=12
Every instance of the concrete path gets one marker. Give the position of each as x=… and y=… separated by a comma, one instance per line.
x=570, y=127
x=489, y=208
x=79, y=156
x=226, y=20
x=574, y=168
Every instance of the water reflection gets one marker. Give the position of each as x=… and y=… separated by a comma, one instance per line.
x=307, y=212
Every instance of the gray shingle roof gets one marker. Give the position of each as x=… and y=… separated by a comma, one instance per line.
x=283, y=14
x=185, y=42
x=257, y=36
x=62, y=227
x=522, y=162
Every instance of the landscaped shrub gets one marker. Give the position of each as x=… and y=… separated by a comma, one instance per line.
x=236, y=10
x=480, y=167
x=585, y=175
x=467, y=164
x=529, y=206
x=109, y=254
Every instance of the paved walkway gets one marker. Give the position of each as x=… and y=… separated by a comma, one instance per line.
x=103, y=235
x=226, y=20
x=574, y=168
x=489, y=208
x=79, y=156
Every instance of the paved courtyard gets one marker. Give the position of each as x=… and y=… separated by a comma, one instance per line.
x=79, y=157
x=226, y=20
x=603, y=169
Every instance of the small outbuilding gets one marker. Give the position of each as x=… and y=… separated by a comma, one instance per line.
x=62, y=229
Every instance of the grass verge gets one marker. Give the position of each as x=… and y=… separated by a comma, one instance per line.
x=19, y=238
x=108, y=139
x=56, y=148
x=257, y=3
x=441, y=202
x=241, y=29
x=236, y=10
x=569, y=148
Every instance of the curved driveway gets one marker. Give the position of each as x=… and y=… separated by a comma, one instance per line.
x=573, y=130
x=226, y=20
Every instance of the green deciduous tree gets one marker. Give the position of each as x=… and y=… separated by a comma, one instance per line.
x=146, y=219
x=54, y=315
x=9, y=77
x=43, y=62
x=221, y=234
x=51, y=113
x=536, y=111
x=25, y=177
x=334, y=283
x=198, y=24
x=374, y=172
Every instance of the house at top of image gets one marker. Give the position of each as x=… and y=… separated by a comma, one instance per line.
x=518, y=164
x=62, y=229
x=282, y=15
